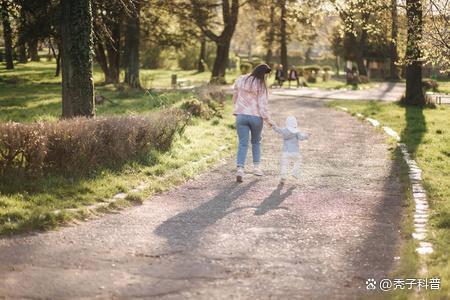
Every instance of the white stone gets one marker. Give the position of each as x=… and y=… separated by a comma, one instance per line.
x=374, y=122
x=418, y=236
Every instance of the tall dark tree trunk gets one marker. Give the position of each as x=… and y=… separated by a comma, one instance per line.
x=7, y=34
x=337, y=64
x=21, y=41
x=414, y=93
x=221, y=61
x=271, y=33
x=76, y=59
x=283, y=38
x=33, y=49
x=100, y=56
x=393, y=45
x=132, y=41
x=362, y=47
x=23, y=59
x=202, y=56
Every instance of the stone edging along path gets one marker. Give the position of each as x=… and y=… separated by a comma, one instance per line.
x=141, y=187
x=418, y=192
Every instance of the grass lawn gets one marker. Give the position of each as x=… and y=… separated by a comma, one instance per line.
x=427, y=133
x=444, y=86
x=31, y=93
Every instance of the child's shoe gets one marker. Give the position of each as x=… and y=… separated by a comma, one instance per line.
x=257, y=171
x=239, y=174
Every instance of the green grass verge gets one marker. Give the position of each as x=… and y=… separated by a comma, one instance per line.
x=426, y=131
x=31, y=92
x=28, y=205
x=444, y=86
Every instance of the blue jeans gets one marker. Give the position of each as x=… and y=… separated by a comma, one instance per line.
x=246, y=124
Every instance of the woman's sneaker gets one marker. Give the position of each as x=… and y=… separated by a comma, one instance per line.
x=239, y=174
x=257, y=171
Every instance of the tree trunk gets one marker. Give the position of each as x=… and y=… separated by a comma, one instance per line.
x=414, y=93
x=221, y=62
x=283, y=39
x=337, y=62
x=76, y=59
x=58, y=64
x=393, y=45
x=132, y=40
x=271, y=33
x=100, y=56
x=362, y=69
x=202, y=57
x=7, y=35
x=33, y=50
x=56, y=56
x=21, y=41
x=23, y=58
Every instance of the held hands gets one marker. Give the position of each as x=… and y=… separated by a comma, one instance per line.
x=270, y=122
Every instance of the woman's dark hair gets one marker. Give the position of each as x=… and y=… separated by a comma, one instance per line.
x=259, y=73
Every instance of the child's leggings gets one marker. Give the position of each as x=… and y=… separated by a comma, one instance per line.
x=286, y=158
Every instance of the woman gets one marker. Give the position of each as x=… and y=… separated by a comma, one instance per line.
x=251, y=109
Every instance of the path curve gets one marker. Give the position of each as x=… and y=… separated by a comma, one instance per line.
x=214, y=239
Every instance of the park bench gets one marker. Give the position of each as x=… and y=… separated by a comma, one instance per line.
x=439, y=98
x=183, y=83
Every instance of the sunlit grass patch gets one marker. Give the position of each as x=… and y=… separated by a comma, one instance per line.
x=28, y=205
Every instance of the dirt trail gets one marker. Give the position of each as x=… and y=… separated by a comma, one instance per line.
x=214, y=239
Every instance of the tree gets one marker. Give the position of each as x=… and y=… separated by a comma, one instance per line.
x=337, y=46
x=283, y=38
x=270, y=38
x=414, y=93
x=202, y=55
x=7, y=34
x=132, y=41
x=360, y=20
x=76, y=59
x=393, y=44
x=230, y=11
x=108, y=23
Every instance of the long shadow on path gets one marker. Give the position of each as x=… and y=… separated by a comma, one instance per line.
x=185, y=229
x=274, y=200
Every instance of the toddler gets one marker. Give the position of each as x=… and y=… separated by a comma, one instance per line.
x=291, y=150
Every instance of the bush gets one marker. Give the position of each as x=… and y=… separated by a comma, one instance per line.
x=197, y=108
x=245, y=67
x=430, y=84
x=214, y=96
x=79, y=146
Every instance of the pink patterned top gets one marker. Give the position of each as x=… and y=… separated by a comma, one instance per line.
x=250, y=98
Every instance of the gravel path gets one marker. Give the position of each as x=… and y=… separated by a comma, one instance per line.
x=385, y=91
x=319, y=238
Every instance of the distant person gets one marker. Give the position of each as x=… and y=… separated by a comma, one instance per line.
x=250, y=100
x=279, y=75
x=291, y=149
x=293, y=76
